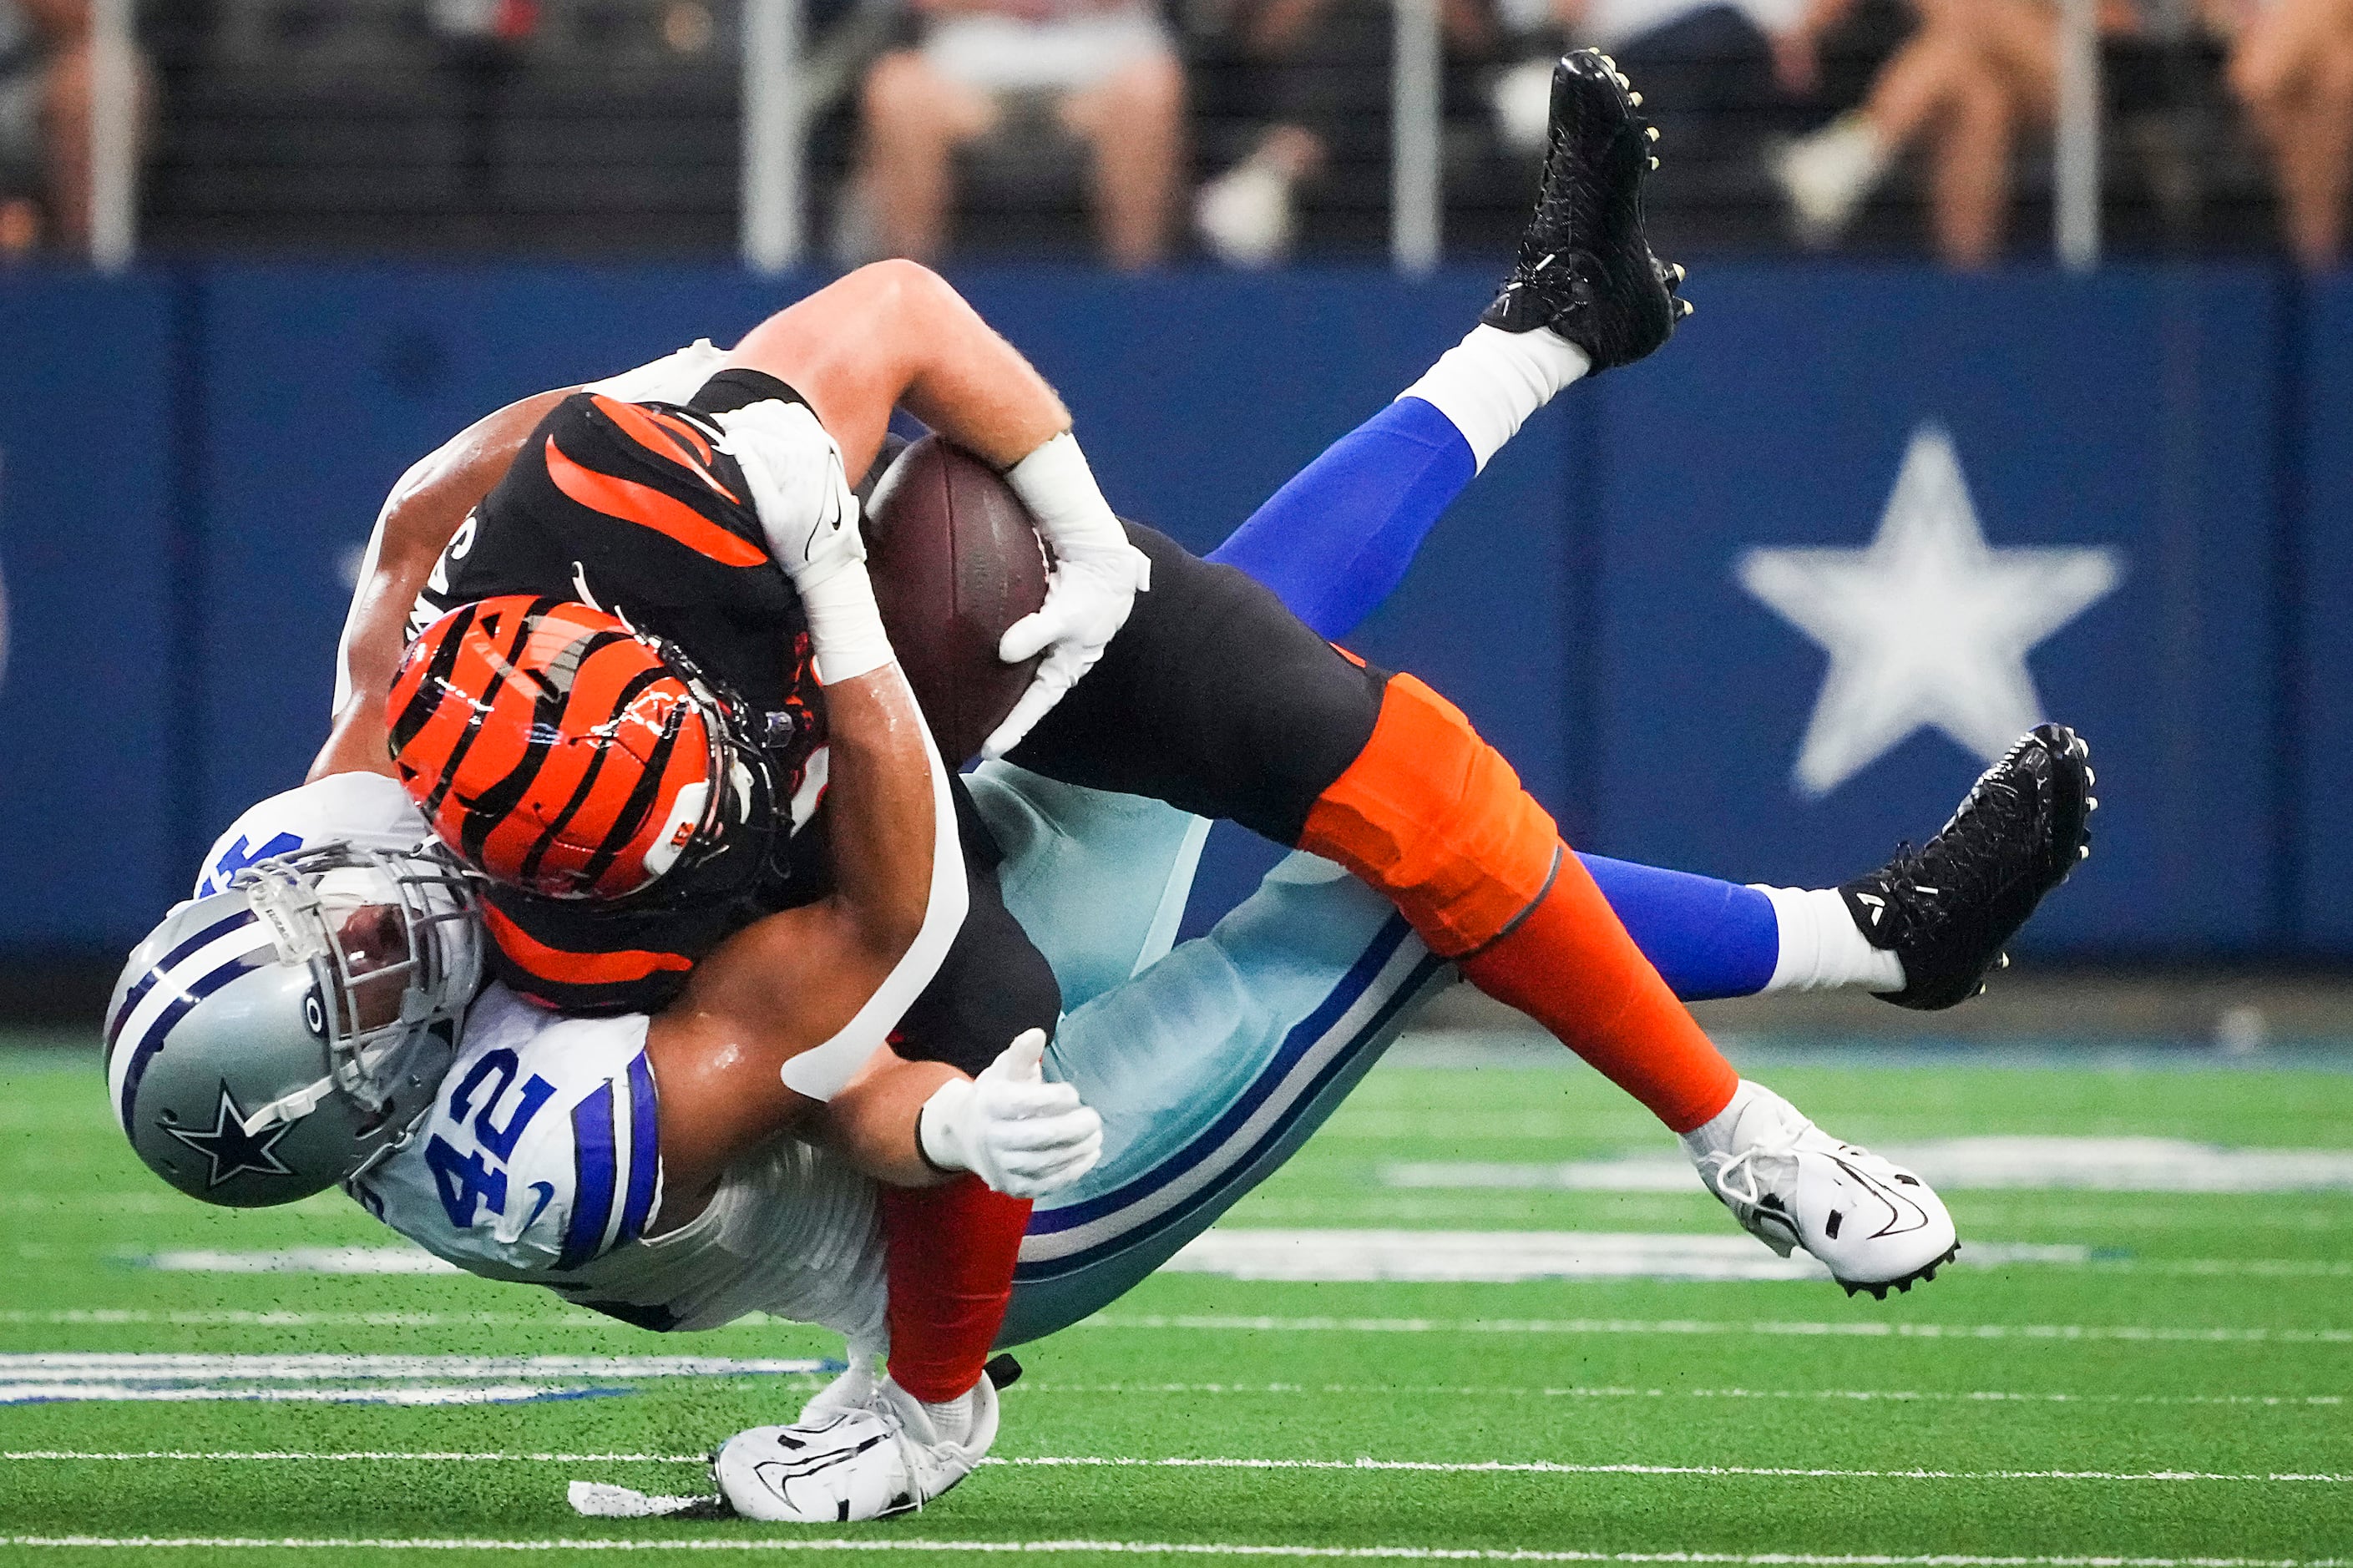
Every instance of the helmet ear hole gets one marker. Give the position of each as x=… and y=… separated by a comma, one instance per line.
x=678, y=828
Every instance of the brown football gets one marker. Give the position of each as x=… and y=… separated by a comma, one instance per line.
x=955, y=560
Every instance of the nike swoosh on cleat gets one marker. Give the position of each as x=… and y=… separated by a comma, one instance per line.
x=1897, y=1204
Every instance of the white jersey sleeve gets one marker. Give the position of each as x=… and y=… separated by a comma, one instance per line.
x=366, y=809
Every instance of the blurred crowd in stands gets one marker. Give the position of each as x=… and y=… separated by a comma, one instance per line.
x=1249, y=131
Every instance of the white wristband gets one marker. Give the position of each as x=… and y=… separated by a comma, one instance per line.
x=1059, y=489
x=937, y=1124
x=845, y=627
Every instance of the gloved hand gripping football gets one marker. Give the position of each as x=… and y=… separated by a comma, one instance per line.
x=1090, y=590
x=808, y=511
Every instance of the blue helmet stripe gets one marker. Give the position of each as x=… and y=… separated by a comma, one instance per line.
x=645, y=1143
x=593, y=1172
x=131, y=998
x=1302, y=1039
x=151, y=1042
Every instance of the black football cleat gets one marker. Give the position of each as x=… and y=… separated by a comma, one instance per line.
x=1584, y=267
x=1946, y=908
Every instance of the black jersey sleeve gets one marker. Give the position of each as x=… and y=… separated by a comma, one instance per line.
x=618, y=503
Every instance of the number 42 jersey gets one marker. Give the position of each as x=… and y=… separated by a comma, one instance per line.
x=541, y=1162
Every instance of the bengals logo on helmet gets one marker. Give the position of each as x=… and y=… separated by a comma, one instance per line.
x=556, y=750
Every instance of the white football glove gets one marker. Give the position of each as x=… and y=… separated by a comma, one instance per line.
x=1088, y=596
x=808, y=511
x=1095, y=578
x=1023, y=1136
x=673, y=378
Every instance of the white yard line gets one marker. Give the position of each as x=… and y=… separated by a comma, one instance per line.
x=1141, y=1548
x=104, y=1317
x=65, y=1366
x=1551, y=1468
x=176, y=1377
x=1860, y=1328
x=400, y=1260
x=1510, y=1256
x=1949, y=1164
x=356, y=1456
x=1366, y=1254
x=1094, y=1461
x=1861, y=1395
x=109, y=1317
x=367, y=1393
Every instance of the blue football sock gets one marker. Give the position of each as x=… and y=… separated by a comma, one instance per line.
x=1336, y=541
x=1706, y=938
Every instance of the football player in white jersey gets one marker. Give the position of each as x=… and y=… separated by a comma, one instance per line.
x=1208, y=1065
x=540, y=1156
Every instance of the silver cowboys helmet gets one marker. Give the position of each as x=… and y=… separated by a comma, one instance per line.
x=271, y=1040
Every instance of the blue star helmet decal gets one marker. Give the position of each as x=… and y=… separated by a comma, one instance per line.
x=228, y=1147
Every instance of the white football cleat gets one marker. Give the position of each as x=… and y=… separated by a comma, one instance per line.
x=843, y=1463
x=853, y=1390
x=1875, y=1224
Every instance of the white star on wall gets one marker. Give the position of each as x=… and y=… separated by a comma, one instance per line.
x=1927, y=626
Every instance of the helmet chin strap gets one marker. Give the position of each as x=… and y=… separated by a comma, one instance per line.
x=290, y=1107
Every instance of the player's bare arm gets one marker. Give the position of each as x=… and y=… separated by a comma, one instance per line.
x=887, y=335
x=794, y=1008
x=418, y=520
x=894, y=335
x=793, y=981
x=797, y=982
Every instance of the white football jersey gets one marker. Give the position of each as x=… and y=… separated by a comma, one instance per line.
x=366, y=809
x=540, y=1163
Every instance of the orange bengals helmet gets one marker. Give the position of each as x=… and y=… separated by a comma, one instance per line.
x=557, y=750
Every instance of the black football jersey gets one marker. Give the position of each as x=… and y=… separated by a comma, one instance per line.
x=638, y=510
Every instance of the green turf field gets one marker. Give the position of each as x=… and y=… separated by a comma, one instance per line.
x=2172, y=1390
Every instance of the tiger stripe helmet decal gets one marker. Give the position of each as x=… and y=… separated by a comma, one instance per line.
x=554, y=750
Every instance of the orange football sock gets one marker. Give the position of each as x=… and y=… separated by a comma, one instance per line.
x=949, y=1251
x=1435, y=818
x=1569, y=965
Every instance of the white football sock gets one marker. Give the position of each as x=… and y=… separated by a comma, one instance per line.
x=952, y=1419
x=1490, y=382
x=1714, y=1136
x=1822, y=947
